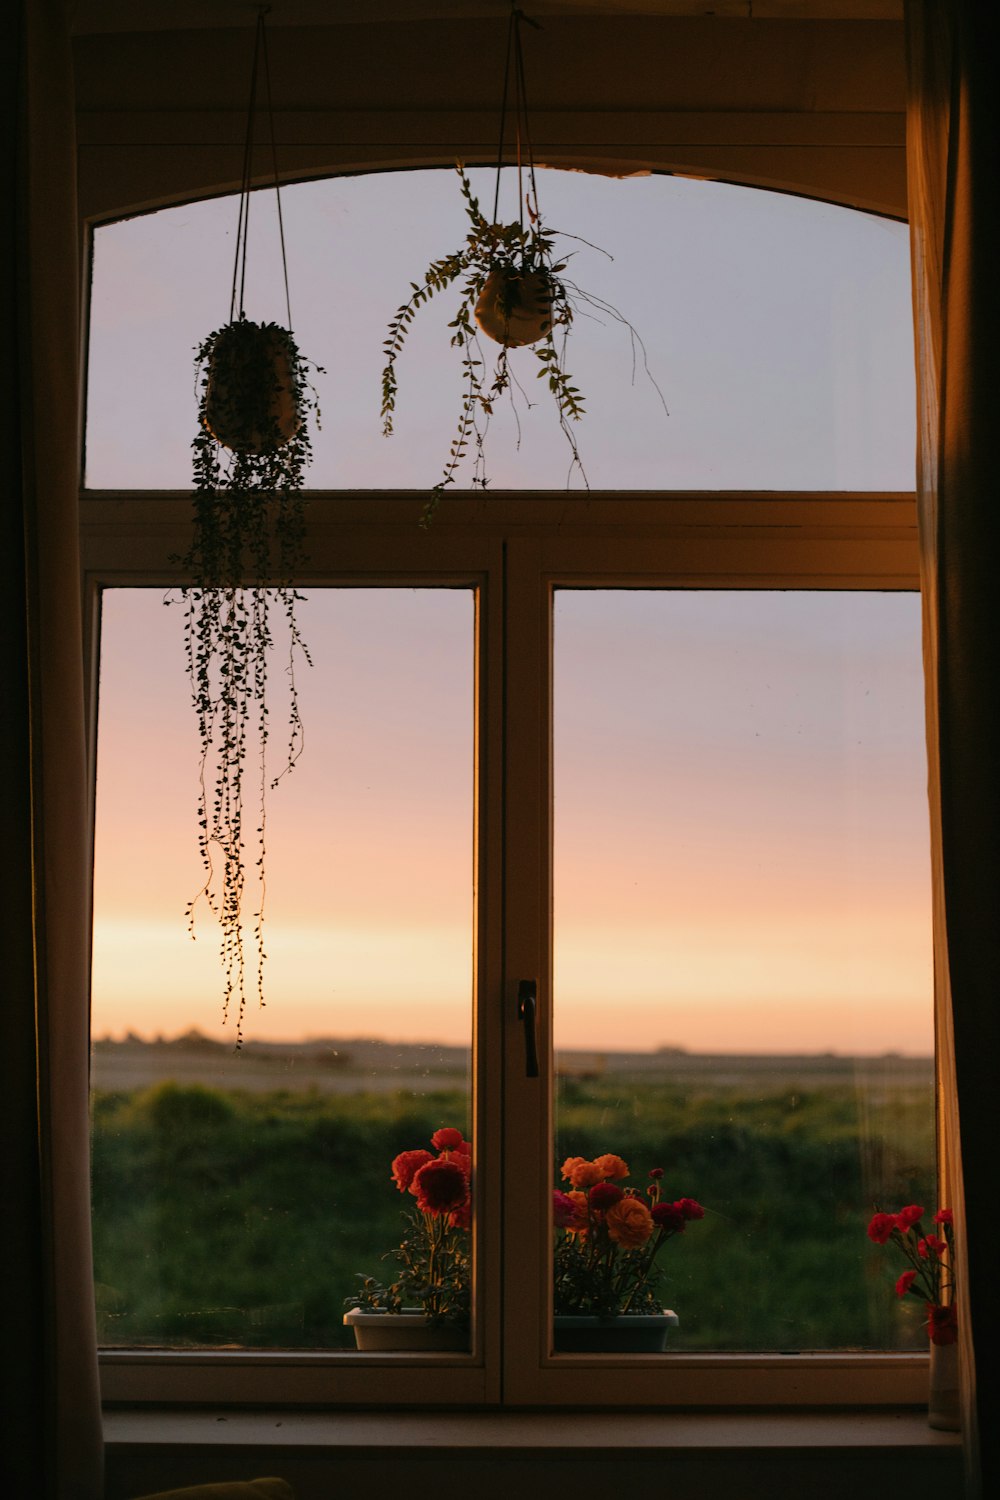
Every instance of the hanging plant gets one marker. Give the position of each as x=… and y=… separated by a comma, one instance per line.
x=255, y=402
x=514, y=289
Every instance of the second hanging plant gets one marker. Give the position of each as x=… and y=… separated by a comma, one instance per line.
x=514, y=289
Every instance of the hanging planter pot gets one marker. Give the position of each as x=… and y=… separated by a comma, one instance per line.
x=253, y=403
x=514, y=290
x=515, y=307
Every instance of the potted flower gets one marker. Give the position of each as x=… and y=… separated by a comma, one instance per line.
x=606, y=1272
x=426, y=1304
x=929, y=1277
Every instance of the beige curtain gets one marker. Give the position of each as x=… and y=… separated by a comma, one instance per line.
x=954, y=172
x=52, y=1435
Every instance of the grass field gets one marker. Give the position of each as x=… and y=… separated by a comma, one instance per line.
x=243, y=1217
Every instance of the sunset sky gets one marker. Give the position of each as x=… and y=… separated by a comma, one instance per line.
x=740, y=821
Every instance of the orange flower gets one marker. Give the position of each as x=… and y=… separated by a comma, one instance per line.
x=581, y=1173
x=579, y=1200
x=629, y=1223
x=611, y=1166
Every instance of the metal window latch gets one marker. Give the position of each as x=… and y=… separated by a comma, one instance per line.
x=527, y=1006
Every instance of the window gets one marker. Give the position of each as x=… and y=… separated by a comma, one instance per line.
x=610, y=665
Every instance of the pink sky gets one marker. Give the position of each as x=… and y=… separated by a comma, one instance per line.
x=741, y=841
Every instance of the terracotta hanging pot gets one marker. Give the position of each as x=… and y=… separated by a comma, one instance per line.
x=515, y=308
x=250, y=398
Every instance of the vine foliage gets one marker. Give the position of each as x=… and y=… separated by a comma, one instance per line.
x=520, y=255
x=254, y=391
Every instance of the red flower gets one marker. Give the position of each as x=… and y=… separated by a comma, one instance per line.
x=931, y=1242
x=942, y=1324
x=690, y=1208
x=447, y=1139
x=656, y=1173
x=440, y=1187
x=944, y=1216
x=406, y=1166
x=564, y=1210
x=604, y=1194
x=907, y=1217
x=881, y=1227
x=461, y=1218
x=669, y=1216
x=905, y=1282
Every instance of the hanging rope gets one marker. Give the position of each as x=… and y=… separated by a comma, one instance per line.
x=514, y=72
x=243, y=221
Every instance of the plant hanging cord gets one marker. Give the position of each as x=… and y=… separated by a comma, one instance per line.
x=243, y=224
x=515, y=55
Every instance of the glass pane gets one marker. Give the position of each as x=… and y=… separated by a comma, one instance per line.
x=778, y=329
x=239, y=1196
x=742, y=944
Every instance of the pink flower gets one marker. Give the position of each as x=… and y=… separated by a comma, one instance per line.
x=605, y=1195
x=447, y=1139
x=942, y=1324
x=944, y=1216
x=905, y=1282
x=406, y=1165
x=881, y=1227
x=440, y=1187
x=669, y=1216
x=690, y=1208
x=564, y=1210
x=907, y=1217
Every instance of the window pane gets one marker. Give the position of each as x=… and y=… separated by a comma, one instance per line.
x=238, y=1196
x=742, y=943
x=779, y=330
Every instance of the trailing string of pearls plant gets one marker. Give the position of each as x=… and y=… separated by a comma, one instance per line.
x=255, y=402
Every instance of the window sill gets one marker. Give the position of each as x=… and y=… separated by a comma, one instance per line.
x=417, y=1452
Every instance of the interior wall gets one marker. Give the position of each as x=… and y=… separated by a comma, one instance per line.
x=816, y=107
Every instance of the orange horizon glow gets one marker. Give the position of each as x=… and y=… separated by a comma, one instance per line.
x=764, y=890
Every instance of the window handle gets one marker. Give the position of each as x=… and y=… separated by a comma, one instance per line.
x=527, y=1005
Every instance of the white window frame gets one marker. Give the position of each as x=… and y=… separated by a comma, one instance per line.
x=515, y=548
